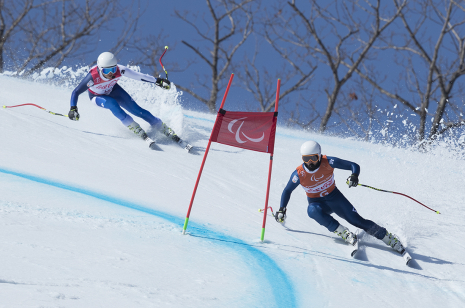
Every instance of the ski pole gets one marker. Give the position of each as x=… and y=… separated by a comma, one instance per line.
x=271, y=209
x=54, y=113
x=397, y=193
x=166, y=48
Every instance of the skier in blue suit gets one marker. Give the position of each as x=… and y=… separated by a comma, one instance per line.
x=101, y=84
x=316, y=177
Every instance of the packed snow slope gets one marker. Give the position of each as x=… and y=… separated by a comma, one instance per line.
x=91, y=217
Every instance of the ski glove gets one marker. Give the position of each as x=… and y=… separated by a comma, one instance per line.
x=352, y=180
x=163, y=83
x=73, y=114
x=280, y=215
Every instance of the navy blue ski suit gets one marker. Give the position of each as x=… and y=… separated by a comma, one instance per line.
x=321, y=208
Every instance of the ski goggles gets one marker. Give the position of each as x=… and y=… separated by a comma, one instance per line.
x=108, y=70
x=311, y=158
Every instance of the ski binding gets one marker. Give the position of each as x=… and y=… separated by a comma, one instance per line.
x=185, y=145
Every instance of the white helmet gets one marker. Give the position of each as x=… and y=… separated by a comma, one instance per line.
x=106, y=59
x=310, y=147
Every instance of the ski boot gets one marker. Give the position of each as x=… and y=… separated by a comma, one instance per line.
x=134, y=127
x=280, y=215
x=346, y=235
x=168, y=132
x=393, y=241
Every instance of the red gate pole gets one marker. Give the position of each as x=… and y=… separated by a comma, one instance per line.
x=186, y=221
x=269, y=170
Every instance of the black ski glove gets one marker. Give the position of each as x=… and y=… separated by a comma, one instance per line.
x=352, y=180
x=280, y=215
x=73, y=114
x=163, y=83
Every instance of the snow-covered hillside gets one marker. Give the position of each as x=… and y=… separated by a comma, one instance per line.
x=90, y=217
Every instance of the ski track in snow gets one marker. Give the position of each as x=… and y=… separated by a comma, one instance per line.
x=64, y=243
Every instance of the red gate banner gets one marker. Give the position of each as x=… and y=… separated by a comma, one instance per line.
x=247, y=130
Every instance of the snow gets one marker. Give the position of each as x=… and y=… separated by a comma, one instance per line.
x=90, y=217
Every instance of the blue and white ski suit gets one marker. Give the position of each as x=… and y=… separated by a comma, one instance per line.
x=106, y=93
x=327, y=199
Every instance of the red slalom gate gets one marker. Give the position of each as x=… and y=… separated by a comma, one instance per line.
x=254, y=131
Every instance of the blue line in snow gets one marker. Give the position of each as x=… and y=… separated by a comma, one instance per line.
x=197, y=118
x=281, y=286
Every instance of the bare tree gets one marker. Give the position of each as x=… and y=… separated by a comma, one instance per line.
x=11, y=15
x=330, y=34
x=150, y=49
x=311, y=116
x=441, y=57
x=295, y=71
x=230, y=25
x=358, y=112
x=63, y=29
x=262, y=83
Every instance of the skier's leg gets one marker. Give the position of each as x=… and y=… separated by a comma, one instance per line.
x=111, y=104
x=126, y=101
x=343, y=208
x=321, y=214
x=130, y=105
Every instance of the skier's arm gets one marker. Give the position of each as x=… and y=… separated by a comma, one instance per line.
x=344, y=164
x=127, y=72
x=294, y=181
x=161, y=82
x=81, y=88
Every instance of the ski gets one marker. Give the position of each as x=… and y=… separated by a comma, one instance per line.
x=183, y=144
x=403, y=252
x=354, y=249
x=186, y=146
x=151, y=143
x=407, y=257
x=355, y=246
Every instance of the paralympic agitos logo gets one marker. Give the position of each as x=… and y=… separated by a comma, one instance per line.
x=239, y=132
